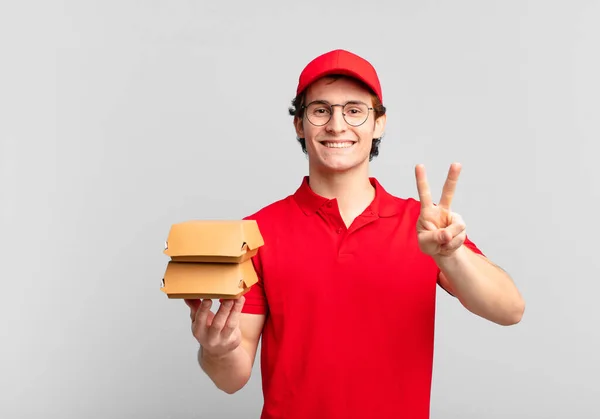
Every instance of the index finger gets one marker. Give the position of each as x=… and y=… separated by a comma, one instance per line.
x=450, y=186
x=193, y=304
x=423, y=186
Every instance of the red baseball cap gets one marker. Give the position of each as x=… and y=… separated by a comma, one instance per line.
x=340, y=61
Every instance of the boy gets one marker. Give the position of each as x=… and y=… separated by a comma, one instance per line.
x=339, y=244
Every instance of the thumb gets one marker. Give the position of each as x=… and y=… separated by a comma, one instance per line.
x=443, y=236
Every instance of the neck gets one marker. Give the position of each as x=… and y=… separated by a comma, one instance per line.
x=352, y=189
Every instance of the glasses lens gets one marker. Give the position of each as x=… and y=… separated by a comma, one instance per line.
x=318, y=113
x=356, y=113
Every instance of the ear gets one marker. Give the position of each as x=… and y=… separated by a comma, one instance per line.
x=380, y=126
x=298, y=125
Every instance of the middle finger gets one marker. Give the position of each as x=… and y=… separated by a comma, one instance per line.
x=234, y=317
x=220, y=318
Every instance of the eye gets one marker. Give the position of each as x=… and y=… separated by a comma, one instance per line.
x=354, y=111
x=320, y=111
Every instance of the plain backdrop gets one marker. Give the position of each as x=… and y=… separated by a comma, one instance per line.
x=120, y=118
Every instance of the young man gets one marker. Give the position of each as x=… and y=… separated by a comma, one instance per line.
x=348, y=273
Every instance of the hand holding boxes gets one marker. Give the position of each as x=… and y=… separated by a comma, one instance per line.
x=211, y=259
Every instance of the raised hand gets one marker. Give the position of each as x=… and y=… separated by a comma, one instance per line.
x=219, y=333
x=440, y=231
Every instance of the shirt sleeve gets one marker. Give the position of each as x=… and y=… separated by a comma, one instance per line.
x=256, y=300
x=472, y=246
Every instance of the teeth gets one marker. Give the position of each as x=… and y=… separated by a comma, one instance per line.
x=338, y=145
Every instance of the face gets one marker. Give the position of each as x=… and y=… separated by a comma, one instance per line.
x=338, y=146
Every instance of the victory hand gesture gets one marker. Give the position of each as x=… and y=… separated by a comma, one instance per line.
x=439, y=230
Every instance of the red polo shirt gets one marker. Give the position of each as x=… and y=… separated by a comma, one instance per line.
x=350, y=311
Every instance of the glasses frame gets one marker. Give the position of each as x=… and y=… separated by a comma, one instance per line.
x=332, y=106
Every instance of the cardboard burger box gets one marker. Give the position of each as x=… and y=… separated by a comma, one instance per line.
x=211, y=259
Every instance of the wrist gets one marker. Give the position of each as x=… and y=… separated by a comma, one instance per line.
x=213, y=357
x=455, y=258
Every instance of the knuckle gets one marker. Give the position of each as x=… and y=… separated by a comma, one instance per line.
x=217, y=324
x=212, y=342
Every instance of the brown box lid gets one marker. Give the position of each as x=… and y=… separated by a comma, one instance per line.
x=215, y=241
x=208, y=280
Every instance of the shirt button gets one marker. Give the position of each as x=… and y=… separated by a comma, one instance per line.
x=329, y=204
x=339, y=230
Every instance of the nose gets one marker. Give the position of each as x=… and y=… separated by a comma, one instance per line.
x=337, y=123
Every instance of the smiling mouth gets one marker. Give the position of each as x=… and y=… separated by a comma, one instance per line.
x=338, y=144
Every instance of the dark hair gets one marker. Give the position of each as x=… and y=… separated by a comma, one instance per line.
x=297, y=111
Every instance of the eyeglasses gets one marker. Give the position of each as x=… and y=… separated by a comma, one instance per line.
x=319, y=112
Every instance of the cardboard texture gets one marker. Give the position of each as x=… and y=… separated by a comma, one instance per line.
x=211, y=259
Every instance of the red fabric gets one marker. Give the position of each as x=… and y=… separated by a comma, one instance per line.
x=340, y=62
x=350, y=312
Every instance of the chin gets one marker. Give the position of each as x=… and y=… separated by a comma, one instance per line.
x=338, y=165
x=338, y=160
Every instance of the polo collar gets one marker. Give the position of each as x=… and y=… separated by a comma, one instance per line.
x=383, y=205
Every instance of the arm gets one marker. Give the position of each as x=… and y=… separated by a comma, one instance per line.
x=231, y=372
x=482, y=287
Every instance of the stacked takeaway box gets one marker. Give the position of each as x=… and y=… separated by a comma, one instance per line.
x=211, y=259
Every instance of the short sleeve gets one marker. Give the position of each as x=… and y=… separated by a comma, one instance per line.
x=256, y=300
x=472, y=246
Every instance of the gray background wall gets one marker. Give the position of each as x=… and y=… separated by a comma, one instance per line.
x=119, y=118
